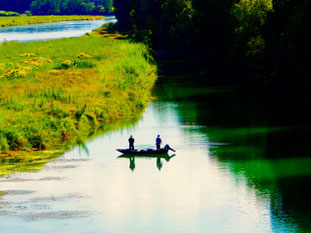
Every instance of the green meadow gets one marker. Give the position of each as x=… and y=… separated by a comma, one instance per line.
x=24, y=20
x=54, y=93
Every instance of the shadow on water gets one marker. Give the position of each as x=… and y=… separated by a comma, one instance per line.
x=265, y=131
x=158, y=158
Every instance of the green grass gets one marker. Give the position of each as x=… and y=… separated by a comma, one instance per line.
x=54, y=93
x=6, y=21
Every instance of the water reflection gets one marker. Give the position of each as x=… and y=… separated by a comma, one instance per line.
x=242, y=166
x=266, y=136
x=158, y=158
x=34, y=161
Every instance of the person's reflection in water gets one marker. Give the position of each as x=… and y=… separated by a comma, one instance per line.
x=159, y=163
x=132, y=163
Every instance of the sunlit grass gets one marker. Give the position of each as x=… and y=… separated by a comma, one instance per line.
x=54, y=93
x=24, y=20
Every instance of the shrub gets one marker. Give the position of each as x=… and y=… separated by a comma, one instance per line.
x=83, y=64
x=4, y=147
x=65, y=65
x=36, y=141
x=38, y=61
x=16, y=72
x=83, y=55
x=28, y=13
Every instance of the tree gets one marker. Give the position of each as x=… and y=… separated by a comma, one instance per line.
x=15, y=5
x=288, y=36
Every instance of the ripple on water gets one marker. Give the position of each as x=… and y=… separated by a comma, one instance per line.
x=57, y=198
x=55, y=215
x=61, y=167
x=7, y=213
x=70, y=160
x=16, y=179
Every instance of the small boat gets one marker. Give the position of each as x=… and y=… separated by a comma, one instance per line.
x=147, y=151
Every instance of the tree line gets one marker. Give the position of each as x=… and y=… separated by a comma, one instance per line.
x=59, y=7
x=269, y=39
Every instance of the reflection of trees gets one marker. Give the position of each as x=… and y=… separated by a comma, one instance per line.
x=34, y=161
x=268, y=139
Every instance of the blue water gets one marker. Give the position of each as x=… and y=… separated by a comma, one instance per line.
x=48, y=31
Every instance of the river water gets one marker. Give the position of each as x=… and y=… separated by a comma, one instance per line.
x=49, y=31
x=241, y=164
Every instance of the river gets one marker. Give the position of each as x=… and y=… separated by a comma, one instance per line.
x=242, y=164
x=49, y=31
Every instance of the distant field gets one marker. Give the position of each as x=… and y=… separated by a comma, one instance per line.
x=24, y=20
x=56, y=93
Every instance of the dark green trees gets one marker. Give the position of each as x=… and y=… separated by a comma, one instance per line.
x=19, y=6
x=267, y=39
x=288, y=37
x=64, y=7
x=71, y=7
x=163, y=23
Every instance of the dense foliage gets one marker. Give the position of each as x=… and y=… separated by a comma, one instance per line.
x=57, y=7
x=15, y=5
x=71, y=7
x=267, y=38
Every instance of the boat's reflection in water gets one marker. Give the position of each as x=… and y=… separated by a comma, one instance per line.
x=158, y=158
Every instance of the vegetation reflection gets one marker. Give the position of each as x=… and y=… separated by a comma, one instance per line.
x=255, y=134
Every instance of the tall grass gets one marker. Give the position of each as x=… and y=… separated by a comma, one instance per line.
x=53, y=93
x=24, y=20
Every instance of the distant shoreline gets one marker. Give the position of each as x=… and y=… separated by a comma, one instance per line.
x=7, y=21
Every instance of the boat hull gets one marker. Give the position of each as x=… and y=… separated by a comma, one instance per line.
x=143, y=151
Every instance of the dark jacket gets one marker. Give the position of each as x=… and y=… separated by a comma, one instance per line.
x=158, y=141
x=131, y=140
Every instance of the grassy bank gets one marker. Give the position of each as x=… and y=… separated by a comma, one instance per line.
x=24, y=20
x=54, y=93
x=21, y=161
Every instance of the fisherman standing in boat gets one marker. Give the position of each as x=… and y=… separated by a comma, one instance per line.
x=131, y=142
x=158, y=142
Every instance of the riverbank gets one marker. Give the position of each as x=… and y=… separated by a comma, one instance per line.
x=55, y=94
x=6, y=21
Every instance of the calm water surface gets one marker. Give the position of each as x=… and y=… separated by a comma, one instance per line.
x=233, y=171
x=48, y=31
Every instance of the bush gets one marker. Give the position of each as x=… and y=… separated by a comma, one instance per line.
x=65, y=65
x=84, y=64
x=28, y=13
x=4, y=147
x=36, y=141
